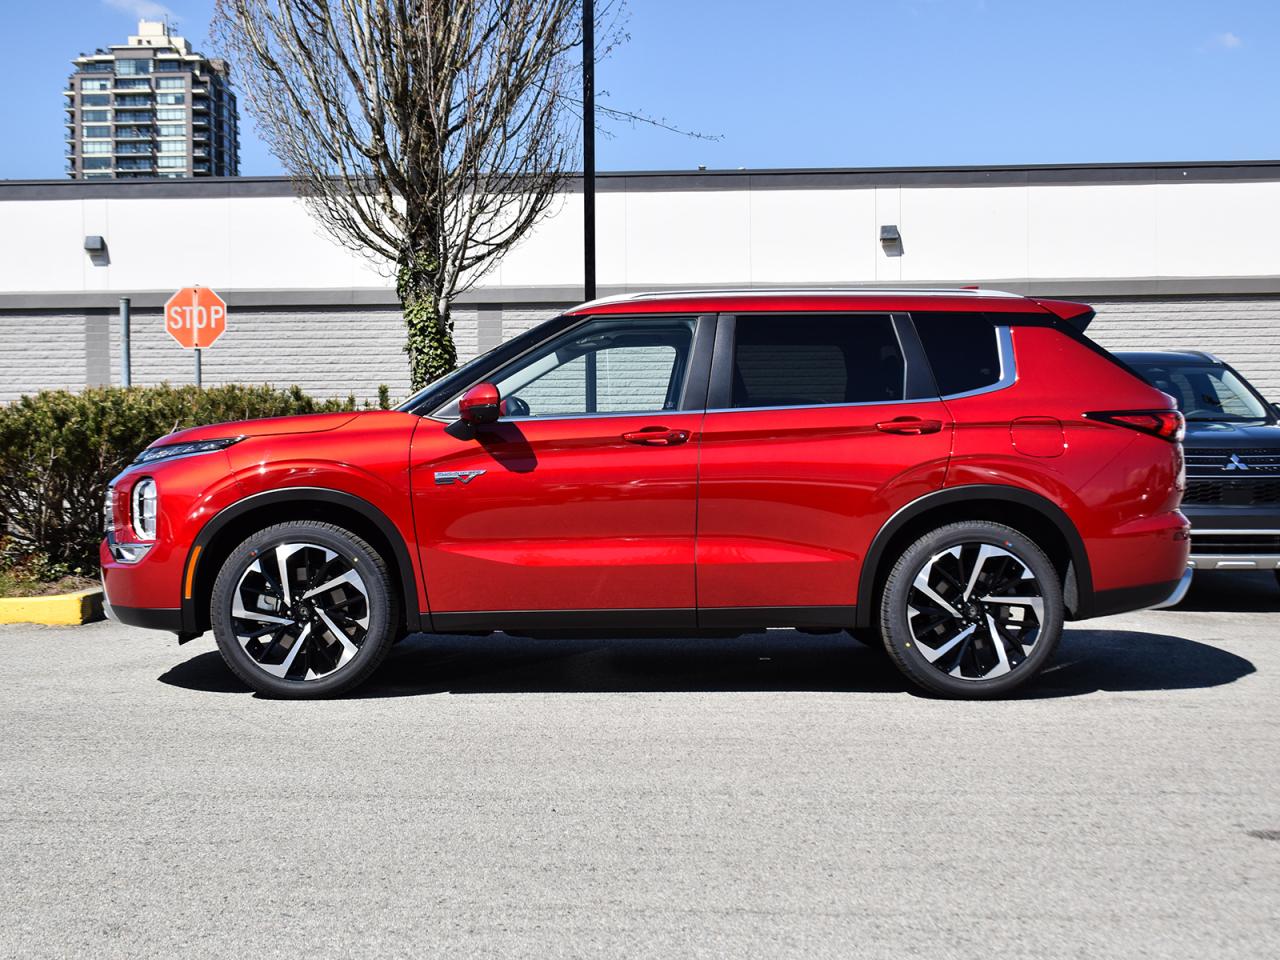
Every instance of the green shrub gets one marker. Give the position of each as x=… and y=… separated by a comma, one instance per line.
x=58, y=451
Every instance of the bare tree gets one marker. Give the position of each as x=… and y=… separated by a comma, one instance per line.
x=431, y=133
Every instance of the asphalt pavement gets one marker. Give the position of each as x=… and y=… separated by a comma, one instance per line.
x=780, y=795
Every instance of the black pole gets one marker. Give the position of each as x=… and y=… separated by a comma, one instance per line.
x=126, y=365
x=589, y=148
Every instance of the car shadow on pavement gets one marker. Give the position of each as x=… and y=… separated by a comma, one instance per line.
x=1241, y=592
x=779, y=660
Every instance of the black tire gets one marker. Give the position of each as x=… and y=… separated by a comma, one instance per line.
x=314, y=541
x=1012, y=556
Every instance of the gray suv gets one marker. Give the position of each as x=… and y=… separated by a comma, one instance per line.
x=1232, y=452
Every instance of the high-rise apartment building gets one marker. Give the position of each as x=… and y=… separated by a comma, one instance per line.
x=151, y=108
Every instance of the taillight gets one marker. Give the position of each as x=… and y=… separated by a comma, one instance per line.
x=1165, y=424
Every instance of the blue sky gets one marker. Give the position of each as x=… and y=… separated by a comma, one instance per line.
x=825, y=83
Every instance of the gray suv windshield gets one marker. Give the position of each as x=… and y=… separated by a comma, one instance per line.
x=1207, y=391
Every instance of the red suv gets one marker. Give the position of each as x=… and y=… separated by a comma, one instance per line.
x=951, y=473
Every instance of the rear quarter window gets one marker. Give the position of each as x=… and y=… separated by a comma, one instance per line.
x=961, y=348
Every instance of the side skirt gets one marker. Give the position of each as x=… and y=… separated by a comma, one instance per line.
x=642, y=622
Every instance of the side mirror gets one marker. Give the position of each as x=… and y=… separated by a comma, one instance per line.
x=481, y=404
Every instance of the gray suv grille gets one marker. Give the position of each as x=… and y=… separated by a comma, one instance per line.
x=1247, y=461
x=1263, y=490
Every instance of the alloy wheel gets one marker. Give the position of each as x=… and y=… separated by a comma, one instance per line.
x=975, y=611
x=300, y=611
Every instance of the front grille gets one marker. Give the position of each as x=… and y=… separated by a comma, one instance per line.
x=1241, y=543
x=1218, y=460
x=1235, y=493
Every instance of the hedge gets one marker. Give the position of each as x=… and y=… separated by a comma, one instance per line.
x=58, y=451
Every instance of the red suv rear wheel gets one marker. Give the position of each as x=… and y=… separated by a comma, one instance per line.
x=972, y=610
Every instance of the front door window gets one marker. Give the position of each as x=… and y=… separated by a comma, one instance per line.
x=604, y=366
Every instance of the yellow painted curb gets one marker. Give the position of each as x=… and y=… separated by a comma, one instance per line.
x=60, y=610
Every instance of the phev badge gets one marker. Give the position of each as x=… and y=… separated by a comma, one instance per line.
x=445, y=477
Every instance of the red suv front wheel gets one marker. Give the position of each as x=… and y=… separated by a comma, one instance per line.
x=303, y=610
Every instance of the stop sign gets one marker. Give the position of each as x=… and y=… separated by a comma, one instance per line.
x=195, y=317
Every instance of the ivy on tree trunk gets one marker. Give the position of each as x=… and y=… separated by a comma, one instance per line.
x=430, y=345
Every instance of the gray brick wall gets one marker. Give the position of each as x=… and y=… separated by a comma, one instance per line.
x=1244, y=332
x=330, y=352
x=43, y=353
x=335, y=352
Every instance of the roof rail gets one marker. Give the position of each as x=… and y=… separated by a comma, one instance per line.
x=799, y=291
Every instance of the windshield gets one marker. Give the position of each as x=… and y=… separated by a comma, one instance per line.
x=1205, y=392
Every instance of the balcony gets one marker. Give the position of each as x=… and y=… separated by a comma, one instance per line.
x=134, y=148
x=136, y=164
x=134, y=133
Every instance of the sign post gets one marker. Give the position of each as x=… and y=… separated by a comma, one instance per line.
x=195, y=317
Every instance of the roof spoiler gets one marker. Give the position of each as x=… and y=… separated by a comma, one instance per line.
x=1078, y=315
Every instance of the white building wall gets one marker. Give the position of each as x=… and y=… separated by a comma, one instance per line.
x=671, y=237
x=1197, y=262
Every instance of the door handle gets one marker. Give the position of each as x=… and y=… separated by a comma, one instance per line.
x=909, y=426
x=656, y=437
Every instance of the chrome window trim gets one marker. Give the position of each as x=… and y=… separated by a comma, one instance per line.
x=826, y=406
x=1008, y=368
x=1008, y=376
x=602, y=416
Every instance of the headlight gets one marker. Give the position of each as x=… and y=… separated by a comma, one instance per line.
x=143, y=503
x=108, y=512
x=152, y=454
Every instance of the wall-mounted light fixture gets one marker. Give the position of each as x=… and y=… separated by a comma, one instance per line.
x=95, y=244
x=889, y=234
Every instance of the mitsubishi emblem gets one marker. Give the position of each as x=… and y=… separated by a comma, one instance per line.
x=444, y=477
x=1235, y=463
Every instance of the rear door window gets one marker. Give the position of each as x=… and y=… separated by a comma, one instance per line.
x=961, y=348
x=788, y=360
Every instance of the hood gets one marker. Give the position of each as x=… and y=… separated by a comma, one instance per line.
x=269, y=427
x=1215, y=434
